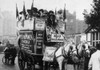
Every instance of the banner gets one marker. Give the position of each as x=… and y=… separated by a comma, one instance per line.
x=49, y=53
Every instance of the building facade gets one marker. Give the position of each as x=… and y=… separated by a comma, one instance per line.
x=93, y=36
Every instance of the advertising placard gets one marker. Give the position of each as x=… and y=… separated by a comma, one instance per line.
x=49, y=53
x=57, y=38
x=27, y=41
x=39, y=24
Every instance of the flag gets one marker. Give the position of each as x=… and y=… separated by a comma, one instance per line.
x=22, y=23
x=32, y=5
x=24, y=11
x=64, y=13
x=34, y=23
x=17, y=13
x=55, y=12
x=32, y=8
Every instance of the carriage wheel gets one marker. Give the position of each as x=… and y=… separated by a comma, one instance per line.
x=30, y=64
x=3, y=60
x=21, y=62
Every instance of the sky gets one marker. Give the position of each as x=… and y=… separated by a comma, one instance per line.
x=71, y=5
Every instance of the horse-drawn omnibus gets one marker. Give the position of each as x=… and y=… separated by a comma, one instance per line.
x=39, y=35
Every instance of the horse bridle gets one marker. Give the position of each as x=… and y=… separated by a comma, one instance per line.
x=68, y=51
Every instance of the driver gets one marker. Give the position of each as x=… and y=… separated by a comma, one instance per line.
x=7, y=52
x=10, y=50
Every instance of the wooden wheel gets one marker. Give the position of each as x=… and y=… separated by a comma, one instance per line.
x=3, y=60
x=30, y=64
x=21, y=62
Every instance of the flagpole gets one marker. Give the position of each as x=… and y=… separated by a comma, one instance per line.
x=64, y=18
x=17, y=15
x=33, y=2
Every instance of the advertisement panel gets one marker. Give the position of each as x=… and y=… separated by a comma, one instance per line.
x=49, y=53
x=39, y=24
x=27, y=41
x=57, y=38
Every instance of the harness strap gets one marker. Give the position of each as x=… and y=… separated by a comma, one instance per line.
x=59, y=56
x=56, y=51
x=74, y=50
x=86, y=49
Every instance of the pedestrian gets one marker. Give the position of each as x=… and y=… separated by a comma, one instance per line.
x=7, y=52
x=94, y=62
x=13, y=53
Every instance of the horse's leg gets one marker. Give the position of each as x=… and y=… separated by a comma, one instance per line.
x=55, y=65
x=74, y=67
x=63, y=65
x=60, y=61
x=78, y=67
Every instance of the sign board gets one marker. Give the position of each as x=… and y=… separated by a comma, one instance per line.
x=57, y=38
x=49, y=53
x=27, y=41
x=25, y=25
x=39, y=24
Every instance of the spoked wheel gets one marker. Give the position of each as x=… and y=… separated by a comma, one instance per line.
x=30, y=64
x=6, y=61
x=3, y=60
x=21, y=62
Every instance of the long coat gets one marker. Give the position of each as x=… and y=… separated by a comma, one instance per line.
x=94, y=62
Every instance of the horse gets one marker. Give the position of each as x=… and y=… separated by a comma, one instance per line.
x=63, y=52
x=83, y=51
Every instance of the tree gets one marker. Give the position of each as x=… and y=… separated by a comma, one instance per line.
x=93, y=18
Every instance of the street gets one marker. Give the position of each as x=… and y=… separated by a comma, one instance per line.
x=15, y=67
